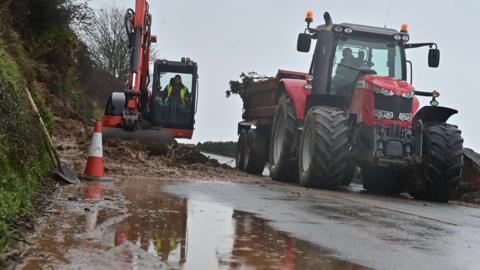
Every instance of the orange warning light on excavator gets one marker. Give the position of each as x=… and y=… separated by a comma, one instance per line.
x=309, y=16
x=404, y=28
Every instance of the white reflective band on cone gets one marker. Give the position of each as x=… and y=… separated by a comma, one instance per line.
x=96, y=146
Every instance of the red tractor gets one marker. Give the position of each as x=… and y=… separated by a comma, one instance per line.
x=353, y=109
x=138, y=113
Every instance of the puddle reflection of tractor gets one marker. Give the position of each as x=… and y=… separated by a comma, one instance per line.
x=353, y=109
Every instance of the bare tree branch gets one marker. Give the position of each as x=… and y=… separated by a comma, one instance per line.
x=107, y=42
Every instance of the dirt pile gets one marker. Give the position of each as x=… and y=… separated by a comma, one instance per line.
x=130, y=158
x=138, y=159
x=470, y=185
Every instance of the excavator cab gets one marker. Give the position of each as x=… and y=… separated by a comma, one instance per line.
x=173, y=102
x=171, y=105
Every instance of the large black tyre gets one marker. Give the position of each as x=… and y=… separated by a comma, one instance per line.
x=283, y=167
x=442, y=164
x=256, y=152
x=384, y=180
x=324, y=148
x=239, y=157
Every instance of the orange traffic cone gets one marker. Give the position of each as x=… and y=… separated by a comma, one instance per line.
x=95, y=166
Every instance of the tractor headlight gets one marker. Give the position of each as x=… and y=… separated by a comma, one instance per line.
x=338, y=28
x=397, y=37
x=348, y=30
x=434, y=102
x=382, y=91
x=410, y=94
x=380, y=114
x=405, y=117
x=405, y=38
x=361, y=84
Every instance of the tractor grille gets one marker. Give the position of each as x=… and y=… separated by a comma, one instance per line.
x=395, y=104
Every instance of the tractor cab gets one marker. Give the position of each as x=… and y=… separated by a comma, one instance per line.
x=352, y=56
x=173, y=102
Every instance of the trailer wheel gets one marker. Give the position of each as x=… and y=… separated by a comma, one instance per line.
x=282, y=142
x=240, y=150
x=384, y=180
x=324, y=148
x=441, y=169
x=255, y=152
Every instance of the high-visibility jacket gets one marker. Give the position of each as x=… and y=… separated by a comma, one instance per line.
x=183, y=93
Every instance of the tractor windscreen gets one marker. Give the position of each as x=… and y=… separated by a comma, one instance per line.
x=353, y=53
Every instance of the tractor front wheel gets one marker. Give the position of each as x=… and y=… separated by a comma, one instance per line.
x=324, y=148
x=440, y=172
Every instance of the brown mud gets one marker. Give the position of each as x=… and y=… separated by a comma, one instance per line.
x=131, y=223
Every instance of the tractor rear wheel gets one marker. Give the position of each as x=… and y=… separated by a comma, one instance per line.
x=240, y=150
x=442, y=164
x=384, y=180
x=324, y=148
x=256, y=153
x=283, y=142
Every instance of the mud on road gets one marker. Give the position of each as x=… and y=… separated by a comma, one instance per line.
x=132, y=158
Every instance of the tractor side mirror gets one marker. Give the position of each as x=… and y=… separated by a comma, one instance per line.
x=304, y=42
x=433, y=58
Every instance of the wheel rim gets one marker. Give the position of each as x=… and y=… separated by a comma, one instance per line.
x=306, y=150
x=279, y=137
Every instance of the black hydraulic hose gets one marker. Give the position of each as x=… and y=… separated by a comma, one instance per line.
x=424, y=94
x=128, y=21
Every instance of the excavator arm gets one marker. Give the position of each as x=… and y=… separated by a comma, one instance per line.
x=138, y=25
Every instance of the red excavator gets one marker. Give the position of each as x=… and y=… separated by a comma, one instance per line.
x=137, y=112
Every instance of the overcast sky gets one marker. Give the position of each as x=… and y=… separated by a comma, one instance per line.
x=229, y=37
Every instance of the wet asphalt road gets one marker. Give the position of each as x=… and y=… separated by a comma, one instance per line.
x=373, y=231
x=153, y=224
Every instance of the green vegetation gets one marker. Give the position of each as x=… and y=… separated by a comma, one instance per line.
x=226, y=149
x=23, y=156
x=39, y=50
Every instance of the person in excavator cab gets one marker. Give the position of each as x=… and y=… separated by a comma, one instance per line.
x=176, y=97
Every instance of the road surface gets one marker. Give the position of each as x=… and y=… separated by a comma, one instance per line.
x=151, y=223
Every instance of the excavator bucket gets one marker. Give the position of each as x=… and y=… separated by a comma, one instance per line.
x=162, y=136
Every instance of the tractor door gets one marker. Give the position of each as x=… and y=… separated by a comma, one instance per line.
x=174, y=94
x=321, y=63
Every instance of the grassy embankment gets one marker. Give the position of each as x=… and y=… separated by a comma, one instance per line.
x=39, y=50
x=23, y=156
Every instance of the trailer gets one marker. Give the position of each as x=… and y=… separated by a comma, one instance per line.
x=260, y=101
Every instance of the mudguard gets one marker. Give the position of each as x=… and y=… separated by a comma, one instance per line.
x=434, y=114
x=297, y=92
x=325, y=100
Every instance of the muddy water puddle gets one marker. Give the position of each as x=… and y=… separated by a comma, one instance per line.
x=132, y=224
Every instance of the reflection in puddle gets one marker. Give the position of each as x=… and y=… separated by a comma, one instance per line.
x=99, y=232
x=200, y=234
